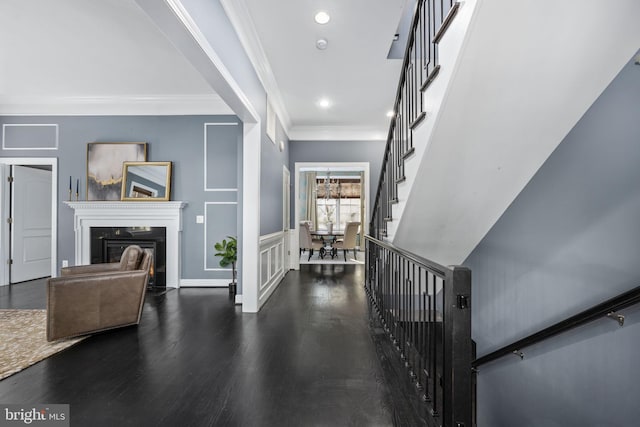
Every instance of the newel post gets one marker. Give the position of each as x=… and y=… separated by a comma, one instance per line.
x=458, y=352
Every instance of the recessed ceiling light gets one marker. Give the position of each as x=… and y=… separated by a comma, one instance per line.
x=322, y=44
x=322, y=17
x=324, y=103
x=390, y=113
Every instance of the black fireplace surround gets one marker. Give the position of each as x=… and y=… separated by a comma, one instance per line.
x=108, y=243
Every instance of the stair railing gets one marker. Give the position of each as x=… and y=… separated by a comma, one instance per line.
x=609, y=308
x=419, y=68
x=425, y=309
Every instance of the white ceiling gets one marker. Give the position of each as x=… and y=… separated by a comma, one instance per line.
x=353, y=72
x=72, y=53
x=94, y=57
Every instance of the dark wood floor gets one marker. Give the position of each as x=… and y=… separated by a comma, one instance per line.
x=309, y=358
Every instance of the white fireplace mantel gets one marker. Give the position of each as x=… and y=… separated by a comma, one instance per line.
x=130, y=214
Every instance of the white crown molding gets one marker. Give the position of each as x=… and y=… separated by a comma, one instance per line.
x=114, y=105
x=338, y=133
x=240, y=18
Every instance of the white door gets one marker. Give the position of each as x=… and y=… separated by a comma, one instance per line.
x=286, y=216
x=31, y=224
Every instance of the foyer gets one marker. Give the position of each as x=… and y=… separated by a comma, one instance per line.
x=308, y=358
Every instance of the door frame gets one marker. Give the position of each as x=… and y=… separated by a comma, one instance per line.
x=286, y=217
x=364, y=227
x=5, y=243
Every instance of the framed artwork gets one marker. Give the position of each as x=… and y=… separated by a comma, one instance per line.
x=105, y=164
x=146, y=181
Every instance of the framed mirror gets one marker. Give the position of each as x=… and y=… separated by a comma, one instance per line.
x=146, y=181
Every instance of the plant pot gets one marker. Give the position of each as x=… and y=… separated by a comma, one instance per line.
x=330, y=227
x=232, y=289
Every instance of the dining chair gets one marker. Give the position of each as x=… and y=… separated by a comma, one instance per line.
x=349, y=240
x=306, y=242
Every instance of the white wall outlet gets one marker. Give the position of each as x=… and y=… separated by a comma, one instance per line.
x=65, y=263
x=199, y=219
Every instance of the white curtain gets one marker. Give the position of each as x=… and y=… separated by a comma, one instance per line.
x=362, y=212
x=312, y=205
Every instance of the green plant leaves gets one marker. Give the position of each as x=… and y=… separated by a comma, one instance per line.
x=228, y=250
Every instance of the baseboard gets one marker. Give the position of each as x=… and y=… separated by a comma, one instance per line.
x=204, y=283
x=238, y=299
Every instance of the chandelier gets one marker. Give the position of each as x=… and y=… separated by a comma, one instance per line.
x=330, y=186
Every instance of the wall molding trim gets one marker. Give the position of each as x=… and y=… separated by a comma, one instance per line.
x=207, y=244
x=206, y=166
x=56, y=131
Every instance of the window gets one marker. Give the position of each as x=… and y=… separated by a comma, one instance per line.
x=338, y=201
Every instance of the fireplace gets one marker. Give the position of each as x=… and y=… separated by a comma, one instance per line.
x=108, y=243
x=136, y=215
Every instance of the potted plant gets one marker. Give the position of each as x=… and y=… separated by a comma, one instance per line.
x=228, y=251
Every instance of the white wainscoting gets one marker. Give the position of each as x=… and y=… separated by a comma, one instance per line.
x=271, y=264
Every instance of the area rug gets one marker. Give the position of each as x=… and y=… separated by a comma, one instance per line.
x=23, y=340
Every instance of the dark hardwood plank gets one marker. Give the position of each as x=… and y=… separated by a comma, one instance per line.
x=307, y=359
x=24, y=295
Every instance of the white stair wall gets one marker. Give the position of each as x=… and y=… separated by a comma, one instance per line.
x=449, y=50
x=517, y=88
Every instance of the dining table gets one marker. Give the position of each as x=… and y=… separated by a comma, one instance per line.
x=328, y=237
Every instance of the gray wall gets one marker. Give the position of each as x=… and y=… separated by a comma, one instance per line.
x=216, y=27
x=569, y=241
x=337, y=151
x=271, y=198
x=179, y=139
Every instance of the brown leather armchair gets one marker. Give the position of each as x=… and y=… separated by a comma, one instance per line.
x=97, y=297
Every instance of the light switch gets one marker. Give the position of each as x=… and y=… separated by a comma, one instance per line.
x=199, y=219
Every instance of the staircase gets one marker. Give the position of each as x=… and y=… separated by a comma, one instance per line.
x=408, y=133
x=499, y=93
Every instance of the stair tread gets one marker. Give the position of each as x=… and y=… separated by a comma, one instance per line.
x=431, y=78
x=446, y=22
x=418, y=120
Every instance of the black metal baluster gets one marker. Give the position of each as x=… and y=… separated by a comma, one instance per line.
x=434, y=360
x=413, y=320
x=421, y=341
x=405, y=324
x=429, y=353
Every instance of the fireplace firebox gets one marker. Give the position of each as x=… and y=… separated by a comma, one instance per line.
x=108, y=243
